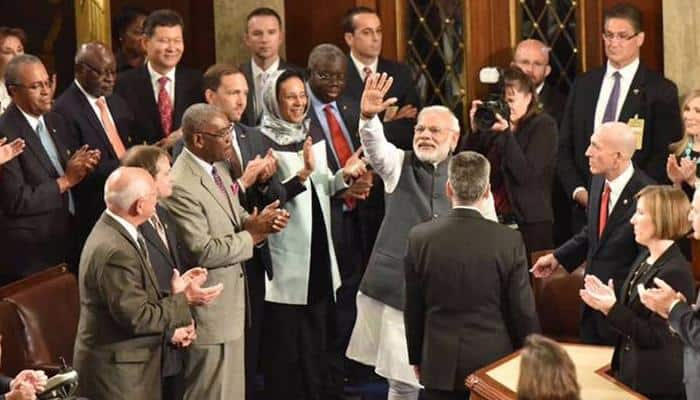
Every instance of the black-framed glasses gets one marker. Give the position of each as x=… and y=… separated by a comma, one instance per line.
x=623, y=36
x=328, y=77
x=100, y=72
x=222, y=133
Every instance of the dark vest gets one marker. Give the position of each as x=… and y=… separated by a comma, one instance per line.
x=418, y=197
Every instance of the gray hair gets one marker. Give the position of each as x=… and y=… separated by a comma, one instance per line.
x=468, y=174
x=453, y=122
x=198, y=117
x=12, y=69
x=325, y=51
x=121, y=193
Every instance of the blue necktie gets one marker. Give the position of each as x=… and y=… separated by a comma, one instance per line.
x=611, y=108
x=52, y=152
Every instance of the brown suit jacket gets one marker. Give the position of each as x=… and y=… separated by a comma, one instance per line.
x=123, y=316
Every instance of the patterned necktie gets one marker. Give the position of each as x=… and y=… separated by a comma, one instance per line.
x=611, y=108
x=219, y=182
x=50, y=147
x=155, y=222
x=110, y=129
x=340, y=144
x=143, y=249
x=603, y=216
x=165, y=106
x=262, y=80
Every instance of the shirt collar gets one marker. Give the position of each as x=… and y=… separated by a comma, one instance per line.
x=207, y=167
x=627, y=71
x=360, y=66
x=130, y=228
x=477, y=209
x=32, y=120
x=156, y=75
x=619, y=183
x=92, y=99
x=539, y=88
x=257, y=70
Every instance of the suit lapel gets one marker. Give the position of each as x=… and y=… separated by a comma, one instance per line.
x=617, y=216
x=250, y=106
x=207, y=182
x=243, y=145
x=180, y=95
x=643, y=255
x=31, y=138
x=89, y=114
x=597, y=81
x=594, y=204
x=148, y=269
x=145, y=91
x=633, y=101
x=149, y=233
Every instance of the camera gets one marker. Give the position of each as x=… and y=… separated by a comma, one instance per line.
x=61, y=386
x=485, y=116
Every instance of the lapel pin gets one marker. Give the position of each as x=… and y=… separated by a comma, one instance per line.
x=635, y=91
x=624, y=201
x=345, y=107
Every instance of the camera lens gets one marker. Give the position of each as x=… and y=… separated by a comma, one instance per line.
x=484, y=118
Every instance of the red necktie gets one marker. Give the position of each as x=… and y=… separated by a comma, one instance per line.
x=340, y=145
x=367, y=71
x=165, y=106
x=603, y=217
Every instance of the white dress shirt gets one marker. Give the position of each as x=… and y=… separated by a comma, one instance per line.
x=617, y=185
x=627, y=74
x=169, y=87
x=130, y=229
x=361, y=67
x=257, y=83
x=92, y=100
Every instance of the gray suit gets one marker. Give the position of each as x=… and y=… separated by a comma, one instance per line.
x=210, y=227
x=123, y=316
x=685, y=320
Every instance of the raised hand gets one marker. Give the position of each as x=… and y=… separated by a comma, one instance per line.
x=252, y=171
x=270, y=166
x=360, y=187
x=309, y=160
x=372, y=101
x=689, y=170
x=271, y=219
x=8, y=151
x=673, y=170
x=597, y=295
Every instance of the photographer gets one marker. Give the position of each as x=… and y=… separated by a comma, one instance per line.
x=522, y=151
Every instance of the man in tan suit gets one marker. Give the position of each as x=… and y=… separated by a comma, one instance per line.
x=219, y=235
x=123, y=314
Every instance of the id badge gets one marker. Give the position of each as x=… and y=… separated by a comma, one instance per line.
x=637, y=126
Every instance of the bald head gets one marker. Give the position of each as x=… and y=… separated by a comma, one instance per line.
x=611, y=149
x=128, y=193
x=95, y=69
x=532, y=56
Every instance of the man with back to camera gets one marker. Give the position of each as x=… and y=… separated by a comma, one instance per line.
x=468, y=303
x=606, y=243
x=622, y=90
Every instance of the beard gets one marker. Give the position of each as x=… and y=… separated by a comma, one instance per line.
x=434, y=155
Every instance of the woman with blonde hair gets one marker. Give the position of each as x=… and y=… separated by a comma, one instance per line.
x=681, y=166
x=648, y=356
x=546, y=371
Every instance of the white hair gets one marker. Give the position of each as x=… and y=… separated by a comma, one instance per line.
x=120, y=196
x=452, y=120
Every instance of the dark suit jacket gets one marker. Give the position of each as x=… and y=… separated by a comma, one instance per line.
x=609, y=256
x=398, y=132
x=647, y=354
x=468, y=303
x=552, y=101
x=163, y=261
x=651, y=97
x=123, y=316
x=85, y=128
x=4, y=386
x=527, y=165
x=249, y=117
x=683, y=319
x=135, y=87
x=36, y=224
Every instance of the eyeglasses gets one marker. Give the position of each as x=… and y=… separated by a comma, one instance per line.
x=34, y=86
x=328, y=77
x=100, y=72
x=623, y=36
x=222, y=133
x=434, y=130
